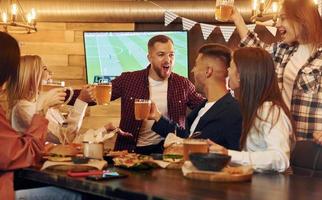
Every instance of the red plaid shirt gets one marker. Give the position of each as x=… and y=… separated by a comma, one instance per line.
x=133, y=85
x=306, y=103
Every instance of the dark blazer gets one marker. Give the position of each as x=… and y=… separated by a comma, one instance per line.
x=222, y=123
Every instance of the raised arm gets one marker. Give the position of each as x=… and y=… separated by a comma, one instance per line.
x=18, y=151
x=248, y=38
x=239, y=23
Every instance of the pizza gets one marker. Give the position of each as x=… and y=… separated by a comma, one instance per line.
x=133, y=160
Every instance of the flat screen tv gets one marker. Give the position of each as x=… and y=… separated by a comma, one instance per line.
x=108, y=54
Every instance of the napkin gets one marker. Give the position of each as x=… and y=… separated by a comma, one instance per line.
x=92, y=163
x=74, y=119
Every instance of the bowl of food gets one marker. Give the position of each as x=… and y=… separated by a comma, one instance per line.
x=209, y=161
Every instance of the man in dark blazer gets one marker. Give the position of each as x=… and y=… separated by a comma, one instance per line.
x=218, y=118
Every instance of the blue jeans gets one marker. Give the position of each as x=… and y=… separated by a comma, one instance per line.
x=47, y=193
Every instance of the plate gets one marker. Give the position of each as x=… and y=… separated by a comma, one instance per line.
x=228, y=174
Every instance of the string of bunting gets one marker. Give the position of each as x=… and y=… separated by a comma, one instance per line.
x=207, y=29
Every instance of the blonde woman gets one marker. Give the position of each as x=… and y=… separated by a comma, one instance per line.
x=19, y=151
x=24, y=93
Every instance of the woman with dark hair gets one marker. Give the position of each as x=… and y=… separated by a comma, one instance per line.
x=19, y=150
x=267, y=132
x=298, y=61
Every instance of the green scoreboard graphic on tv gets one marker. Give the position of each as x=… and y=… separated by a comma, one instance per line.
x=108, y=54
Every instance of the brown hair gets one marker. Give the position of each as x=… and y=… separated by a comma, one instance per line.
x=9, y=58
x=305, y=15
x=258, y=84
x=158, y=38
x=218, y=51
x=29, y=80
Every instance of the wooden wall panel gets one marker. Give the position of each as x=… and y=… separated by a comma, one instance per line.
x=76, y=60
x=57, y=60
x=68, y=72
x=40, y=48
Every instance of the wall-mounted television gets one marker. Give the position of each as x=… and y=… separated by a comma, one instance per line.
x=108, y=54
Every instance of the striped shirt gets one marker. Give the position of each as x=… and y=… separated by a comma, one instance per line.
x=135, y=85
x=306, y=100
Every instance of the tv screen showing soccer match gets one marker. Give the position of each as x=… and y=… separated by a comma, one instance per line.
x=108, y=54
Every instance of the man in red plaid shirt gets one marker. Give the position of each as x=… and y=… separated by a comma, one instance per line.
x=171, y=92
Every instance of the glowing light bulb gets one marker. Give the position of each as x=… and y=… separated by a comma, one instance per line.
x=14, y=9
x=4, y=17
x=274, y=7
x=33, y=14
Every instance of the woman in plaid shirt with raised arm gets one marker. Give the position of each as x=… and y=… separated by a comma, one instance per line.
x=298, y=60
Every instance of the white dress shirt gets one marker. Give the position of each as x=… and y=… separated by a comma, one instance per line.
x=268, y=143
x=292, y=68
x=158, y=94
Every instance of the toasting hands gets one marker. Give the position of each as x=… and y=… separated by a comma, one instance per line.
x=51, y=98
x=154, y=114
x=87, y=93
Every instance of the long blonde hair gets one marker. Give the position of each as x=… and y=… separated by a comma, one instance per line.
x=28, y=85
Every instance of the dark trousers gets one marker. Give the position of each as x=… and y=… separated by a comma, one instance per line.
x=147, y=150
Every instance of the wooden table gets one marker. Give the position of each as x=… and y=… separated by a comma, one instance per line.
x=170, y=184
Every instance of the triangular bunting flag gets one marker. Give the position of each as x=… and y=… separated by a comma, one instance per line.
x=227, y=31
x=169, y=17
x=272, y=30
x=251, y=27
x=187, y=23
x=206, y=30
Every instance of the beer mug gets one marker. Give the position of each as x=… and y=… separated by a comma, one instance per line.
x=194, y=146
x=142, y=108
x=224, y=9
x=103, y=93
x=51, y=84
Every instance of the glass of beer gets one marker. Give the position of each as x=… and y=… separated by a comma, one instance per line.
x=51, y=84
x=224, y=9
x=194, y=146
x=142, y=108
x=103, y=92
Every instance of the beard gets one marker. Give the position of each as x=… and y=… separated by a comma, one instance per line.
x=163, y=73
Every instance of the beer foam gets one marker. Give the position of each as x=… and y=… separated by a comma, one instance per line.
x=143, y=102
x=193, y=141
